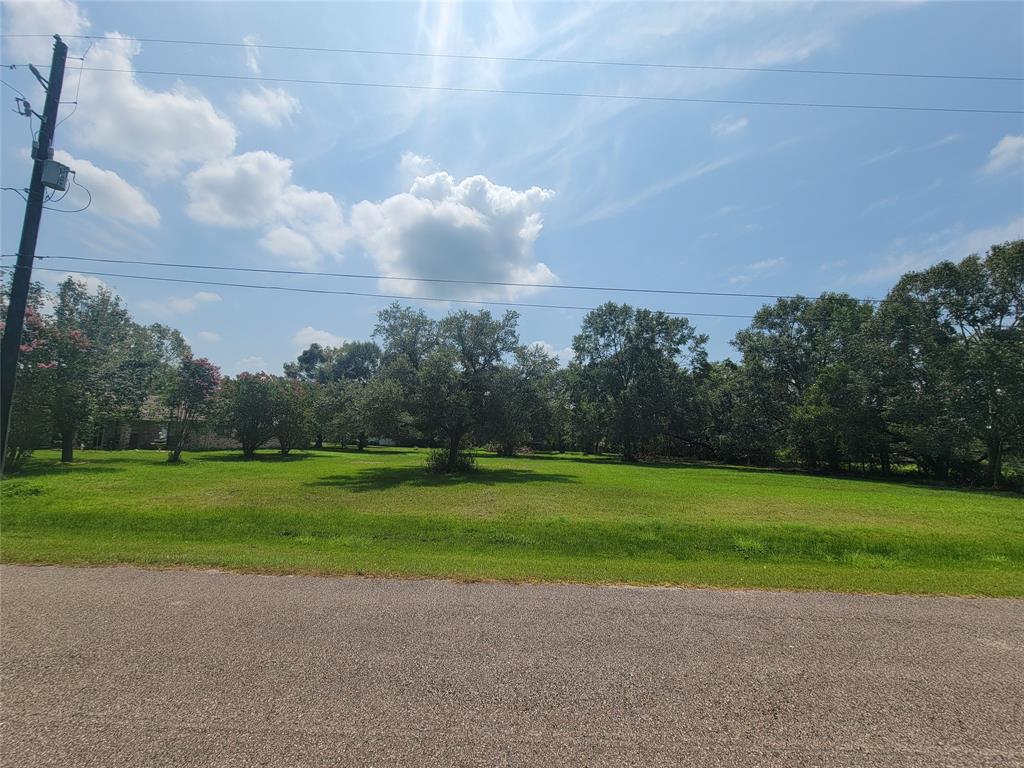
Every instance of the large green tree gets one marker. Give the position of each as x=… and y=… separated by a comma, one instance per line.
x=628, y=359
x=245, y=410
x=811, y=353
x=454, y=379
x=950, y=355
x=518, y=404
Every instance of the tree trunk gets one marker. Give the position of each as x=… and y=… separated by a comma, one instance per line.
x=319, y=442
x=179, y=442
x=627, y=450
x=453, y=451
x=995, y=459
x=362, y=441
x=67, y=445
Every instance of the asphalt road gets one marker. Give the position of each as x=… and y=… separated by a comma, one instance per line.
x=124, y=667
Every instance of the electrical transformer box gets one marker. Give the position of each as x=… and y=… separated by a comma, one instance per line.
x=55, y=175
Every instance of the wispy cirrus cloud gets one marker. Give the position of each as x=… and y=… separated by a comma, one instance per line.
x=622, y=205
x=947, y=244
x=757, y=270
x=902, y=150
x=731, y=127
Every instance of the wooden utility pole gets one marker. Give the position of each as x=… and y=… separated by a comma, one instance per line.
x=42, y=151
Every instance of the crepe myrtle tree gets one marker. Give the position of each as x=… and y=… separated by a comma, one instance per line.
x=31, y=416
x=245, y=410
x=190, y=393
x=291, y=403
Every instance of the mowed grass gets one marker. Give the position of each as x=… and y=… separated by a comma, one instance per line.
x=543, y=518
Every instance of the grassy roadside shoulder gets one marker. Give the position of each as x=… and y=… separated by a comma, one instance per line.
x=545, y=518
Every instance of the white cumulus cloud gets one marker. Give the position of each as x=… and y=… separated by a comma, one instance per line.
x=472, y=229
x=292, y=247
x=112, y=196
x=564, y=354
x=40, y=17
x=1007, y=155
x=310, y=335
x=266, y=106
x=255, y=191
x=92, y=284
x=160, y=130
x=414, y=166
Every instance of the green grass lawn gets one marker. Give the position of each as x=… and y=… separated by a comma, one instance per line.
x=545, y=518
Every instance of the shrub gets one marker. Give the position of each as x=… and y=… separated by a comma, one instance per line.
x=441, y=460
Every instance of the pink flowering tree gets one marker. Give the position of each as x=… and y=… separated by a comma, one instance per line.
x=189, y=396
x=31, y=414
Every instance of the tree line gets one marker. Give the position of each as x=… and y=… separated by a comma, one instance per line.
x=931, y=377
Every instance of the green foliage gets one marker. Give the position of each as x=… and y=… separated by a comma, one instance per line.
x=517, y=403
x=189, y=393
x=31, y=424
x=292, y=417
x=406, y=334
x=933, y=378
x=245, y=410
x=441, y=461
x=628, y=359
x=950, y=361
x=352, y=361
x=455, y=378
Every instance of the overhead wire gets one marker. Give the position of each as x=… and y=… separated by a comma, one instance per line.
x=74, y=180
x=549, y=60
x=446, y=280
x=366, y=294
x=78, y=89
x=23, y=96
x=556, y=94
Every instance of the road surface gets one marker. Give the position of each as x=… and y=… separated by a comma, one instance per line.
x=125, y=667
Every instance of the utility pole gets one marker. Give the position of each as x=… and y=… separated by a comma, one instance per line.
x=41, y=152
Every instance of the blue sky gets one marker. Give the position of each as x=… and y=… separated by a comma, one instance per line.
x=513, y=187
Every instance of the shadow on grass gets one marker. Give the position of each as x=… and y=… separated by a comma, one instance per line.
x=42, y=468
x=910, y=479
x=270, y=458
x=373, y=449
x=605, y=459
x=382, y=478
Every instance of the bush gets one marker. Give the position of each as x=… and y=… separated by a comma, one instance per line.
x=438, y=461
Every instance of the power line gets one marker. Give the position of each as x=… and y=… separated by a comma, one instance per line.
x=452, y=281
x=542, y=60
x=324, y=291
x=562, y=94
x=78, y=88
x=74, y=180
x=23, y=96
